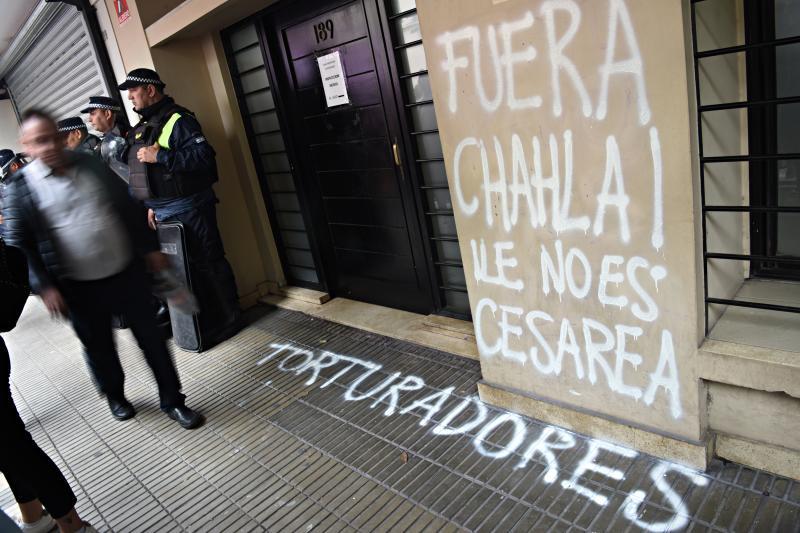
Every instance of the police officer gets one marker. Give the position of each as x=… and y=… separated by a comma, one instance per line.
x=77, y=136
x=9, y=163
x=172, y=168
x=104, y=115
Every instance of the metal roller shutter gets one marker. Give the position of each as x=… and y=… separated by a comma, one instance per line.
x=60, y=70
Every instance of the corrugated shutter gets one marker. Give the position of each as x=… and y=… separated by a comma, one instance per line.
x=60, y=70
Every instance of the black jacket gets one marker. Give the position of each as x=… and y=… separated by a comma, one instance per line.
x=184, y=147
x=25, y=229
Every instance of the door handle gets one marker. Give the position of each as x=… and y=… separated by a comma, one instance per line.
x=396, y=152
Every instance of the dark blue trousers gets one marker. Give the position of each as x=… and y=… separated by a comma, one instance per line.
x=91, y=306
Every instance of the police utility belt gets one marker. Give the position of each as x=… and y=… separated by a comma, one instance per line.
x=154, y=180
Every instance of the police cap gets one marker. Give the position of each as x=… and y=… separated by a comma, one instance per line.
x=6, y=158
x=71, y=123
x=101, y=102
x=141, y=76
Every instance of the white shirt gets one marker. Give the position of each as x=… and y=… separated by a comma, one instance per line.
x=88, y=234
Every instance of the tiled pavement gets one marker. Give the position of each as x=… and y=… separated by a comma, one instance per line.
x=287, y=449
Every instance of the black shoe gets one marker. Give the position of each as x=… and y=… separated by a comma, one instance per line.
x=121, y=409
x=186, y=417
x=162, y=314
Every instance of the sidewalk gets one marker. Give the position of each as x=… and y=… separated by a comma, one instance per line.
x=318, y=426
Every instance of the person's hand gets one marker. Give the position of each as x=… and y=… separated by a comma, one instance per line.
x=148, y=154
x=54, y=302
x=151, y=219
x=156, y=262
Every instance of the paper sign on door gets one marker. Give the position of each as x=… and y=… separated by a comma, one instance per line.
x=333, y=80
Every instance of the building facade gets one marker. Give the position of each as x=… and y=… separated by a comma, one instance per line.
x=608, y=191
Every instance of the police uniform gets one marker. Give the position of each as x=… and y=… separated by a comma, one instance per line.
x=178, y=188
x=7, y=160
x=112, y=146
x=90, y=143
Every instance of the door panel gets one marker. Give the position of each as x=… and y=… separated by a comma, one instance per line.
x=364, y=154
x=349, y=24
x=364, y=209
x=371, y=239
x=363, y=90
x=380, y=212
x=356, y=59
x=365, y=183
x=361, y=123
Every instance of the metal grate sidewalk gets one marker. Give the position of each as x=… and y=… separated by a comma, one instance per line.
x=297, y=443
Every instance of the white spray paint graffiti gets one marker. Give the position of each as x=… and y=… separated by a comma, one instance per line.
x=618, y=14
x=504, y=64
x=657, y=238
x=618, y=199
x=615, y=197
x=560, y=62
x=388, y=394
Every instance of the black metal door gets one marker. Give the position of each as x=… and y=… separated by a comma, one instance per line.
x=350, y=163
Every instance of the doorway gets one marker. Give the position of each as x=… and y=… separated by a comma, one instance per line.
x=348, y=158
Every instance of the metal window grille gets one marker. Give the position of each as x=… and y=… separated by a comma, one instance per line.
x=434, y=189
x=265, y=133
x=763, y=207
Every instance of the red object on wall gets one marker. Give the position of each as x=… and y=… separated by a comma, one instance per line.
x=123, y=13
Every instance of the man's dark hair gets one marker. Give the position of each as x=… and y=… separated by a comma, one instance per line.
x=35, y=113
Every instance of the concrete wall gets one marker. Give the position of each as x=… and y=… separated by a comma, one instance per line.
x=9, y=136
x=193, y=71
x=583, y=295
x=152, y=10
x=107, y=24
x=131, y=40
x=756, y=427
x=772, y=417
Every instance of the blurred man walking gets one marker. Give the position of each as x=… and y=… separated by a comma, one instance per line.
x=87, y=244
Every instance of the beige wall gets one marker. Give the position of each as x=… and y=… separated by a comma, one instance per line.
x=196, y=76
x=771, y=417
x=107, y=25
x=152, y=10
x=623, y=343
x=130, y=37
x=9, y=137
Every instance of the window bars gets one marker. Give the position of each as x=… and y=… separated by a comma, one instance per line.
x=771, y=156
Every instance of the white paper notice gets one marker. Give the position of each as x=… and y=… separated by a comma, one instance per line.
x=333, y=80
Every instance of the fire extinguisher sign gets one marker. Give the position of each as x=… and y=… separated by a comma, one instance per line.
x=123, y=13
